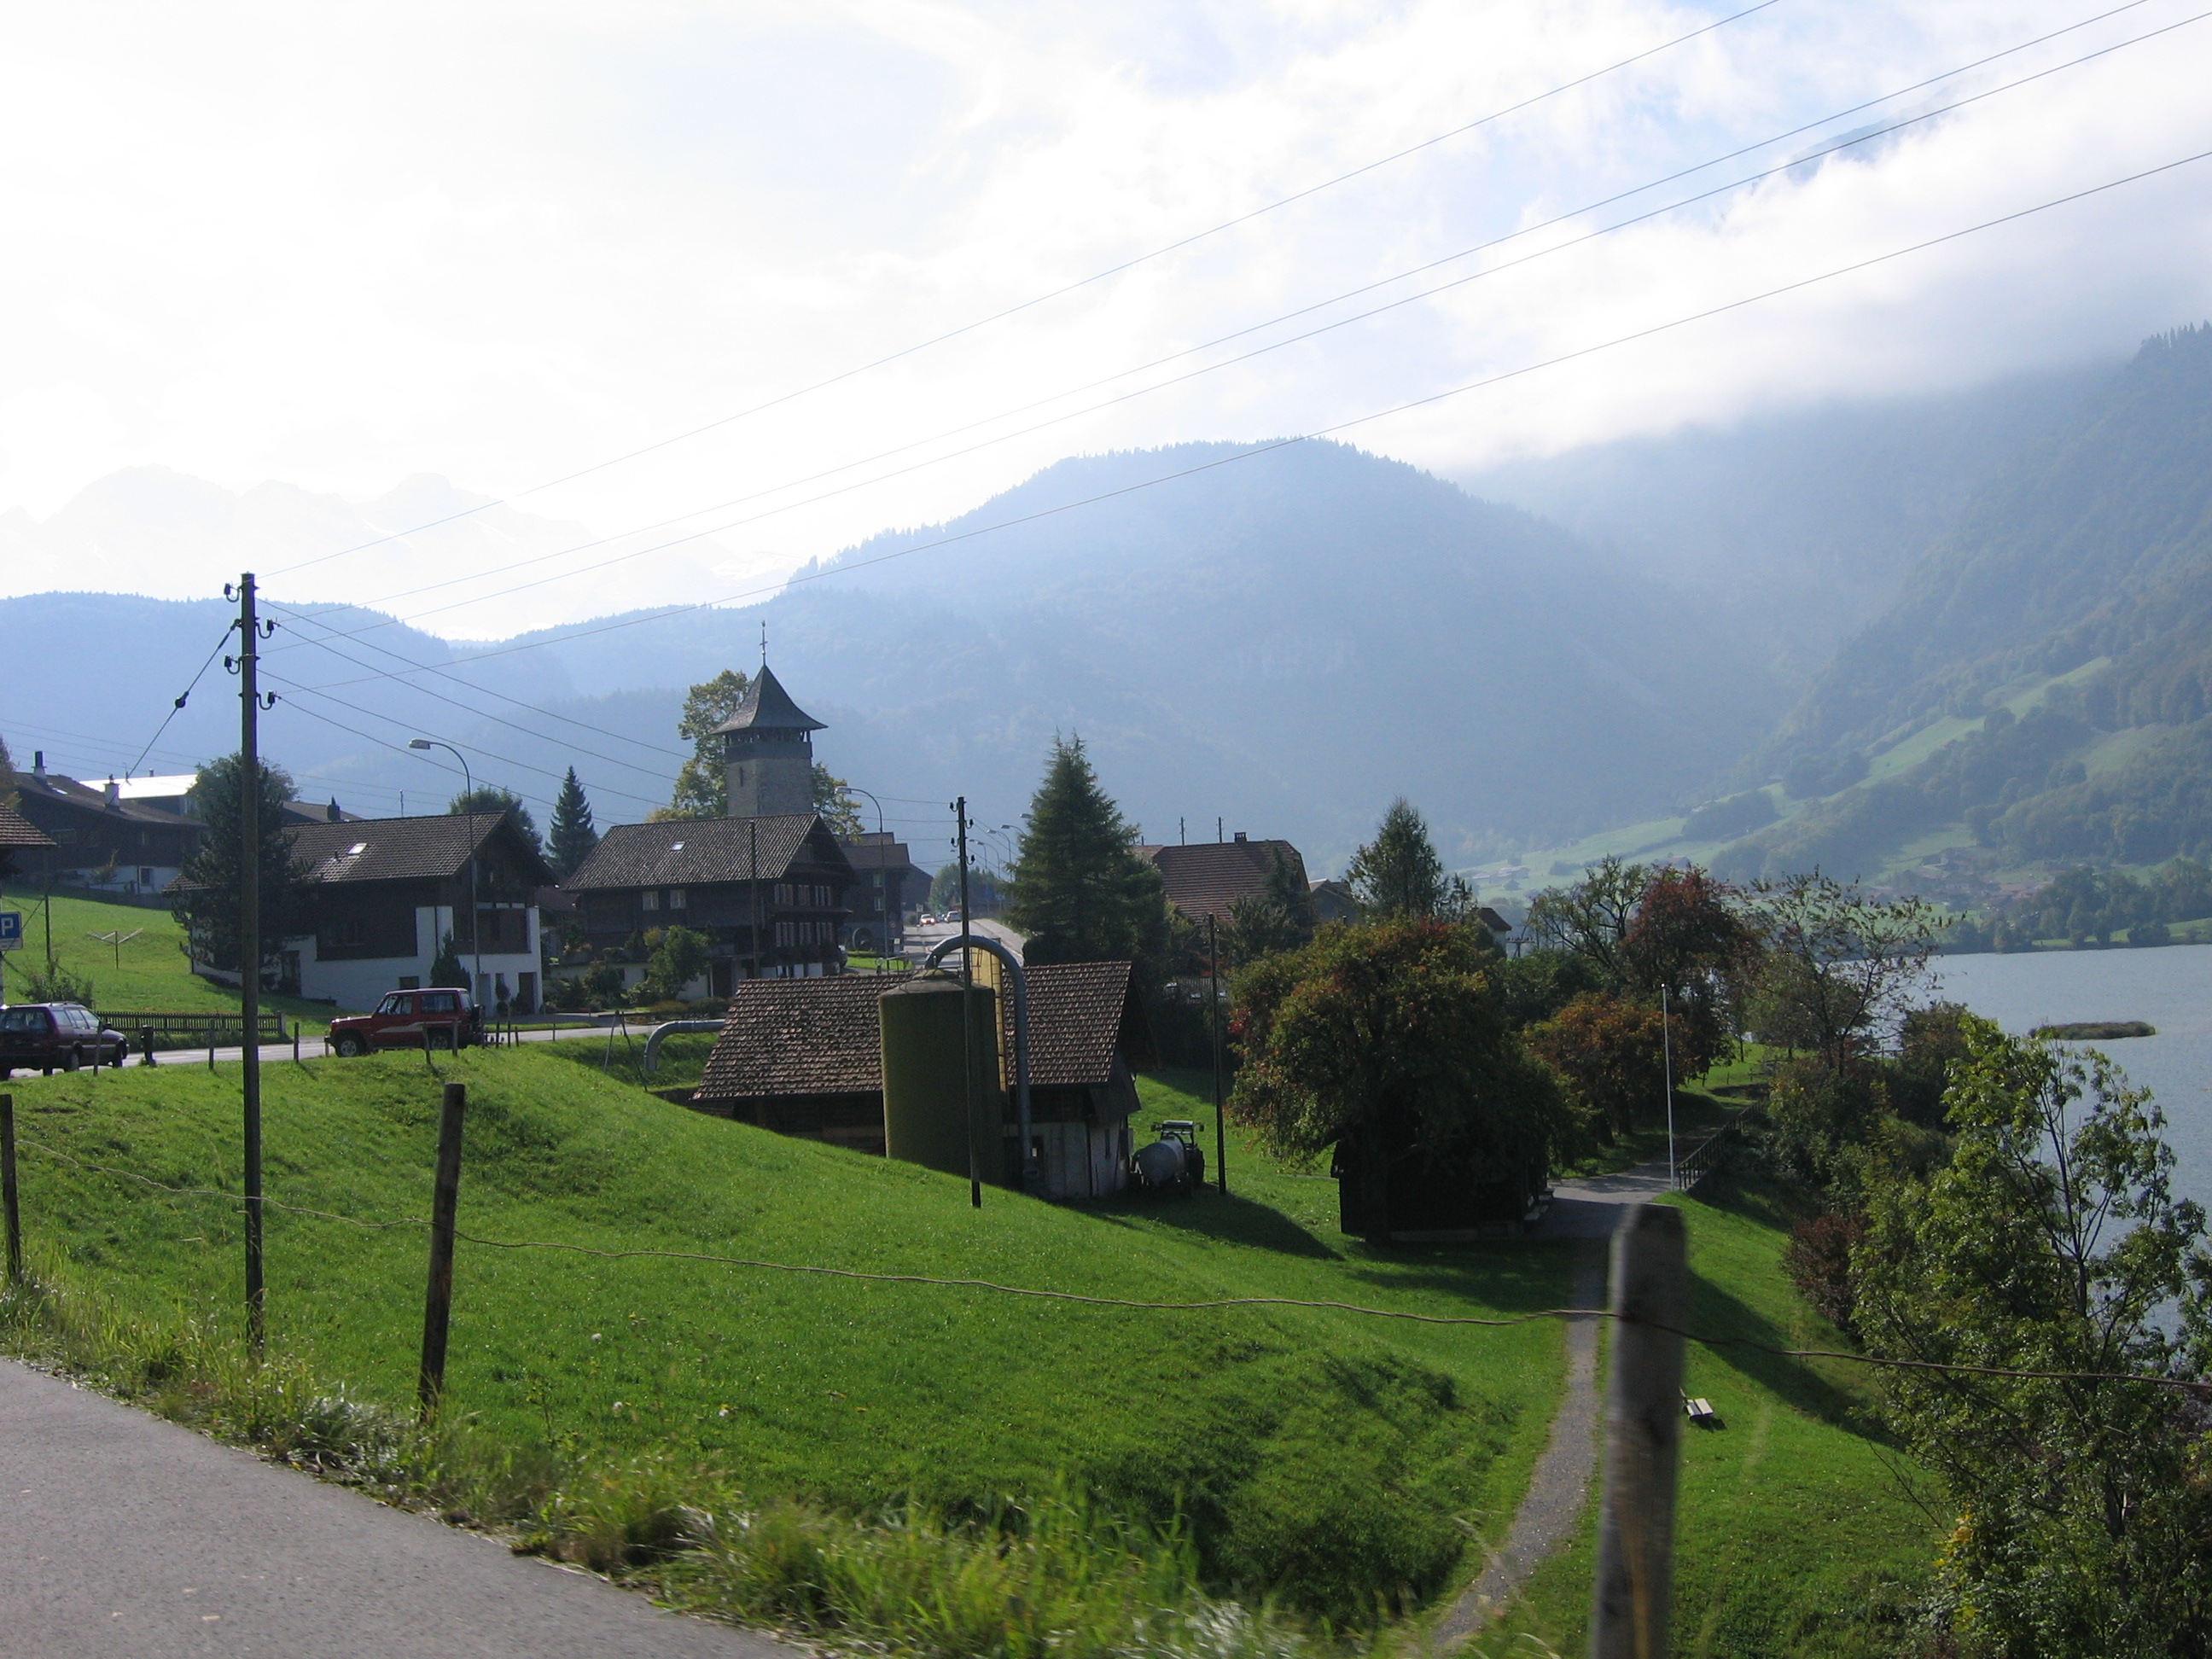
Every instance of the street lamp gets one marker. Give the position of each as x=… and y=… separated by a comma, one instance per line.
x=476, y=917
x=883, y=893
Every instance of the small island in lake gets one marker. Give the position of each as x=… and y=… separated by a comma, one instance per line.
x=2097, y=1030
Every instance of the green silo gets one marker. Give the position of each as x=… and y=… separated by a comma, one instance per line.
x=925, y=1120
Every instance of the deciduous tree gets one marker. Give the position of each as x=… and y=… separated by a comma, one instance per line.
x=1610, y=1051
x=702, y=789
x=488, y=800
x=1838, y=967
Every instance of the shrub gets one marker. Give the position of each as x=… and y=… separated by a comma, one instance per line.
x=1819, y=1263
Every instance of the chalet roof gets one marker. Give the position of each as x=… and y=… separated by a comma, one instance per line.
x=681, y=852
x=874, y=852
x=17, y=830
x=52, y=790
x=1204, y=877
x=820, y=1036
x=405, y=849
x=768, y=707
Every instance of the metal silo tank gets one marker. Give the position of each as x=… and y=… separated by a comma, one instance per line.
x=925, y=1116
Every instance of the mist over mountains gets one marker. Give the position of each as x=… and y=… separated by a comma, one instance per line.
x=1837, y=604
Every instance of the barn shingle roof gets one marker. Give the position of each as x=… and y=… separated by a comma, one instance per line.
x=1204, y=877
x=676, y=851
x=820, y=1036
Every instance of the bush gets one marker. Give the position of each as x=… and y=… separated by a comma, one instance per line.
x=1819, y=1263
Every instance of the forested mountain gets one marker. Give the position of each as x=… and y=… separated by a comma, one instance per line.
x=1286, y=642
x=2044, y=679
x=1795, y=528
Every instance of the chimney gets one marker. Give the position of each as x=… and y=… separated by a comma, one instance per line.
x=333, y=814
x=39, y=764
x=1240, y=835
x=114, y=795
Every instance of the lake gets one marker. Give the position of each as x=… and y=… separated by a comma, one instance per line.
x=2170, y=986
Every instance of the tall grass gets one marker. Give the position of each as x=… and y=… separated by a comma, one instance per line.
x=1053, y=1579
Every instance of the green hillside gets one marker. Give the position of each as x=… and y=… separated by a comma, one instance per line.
x=144, y=974
x=1327, y=1457
x=2040, y=694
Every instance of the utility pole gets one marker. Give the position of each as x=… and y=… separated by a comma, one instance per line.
x=1220, y=1122
x=249, y=944
x=968, y=1013
x=1667, y=1054
x=1632, y=1597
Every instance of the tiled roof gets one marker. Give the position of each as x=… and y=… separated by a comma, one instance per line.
x=798, y=1037
x=869, y=854
x=1204, y=877
x=677, y=852
x=401, y=849
x=17, y=830
x=820, y=1036
x=1080, y=1013
x=768, y=707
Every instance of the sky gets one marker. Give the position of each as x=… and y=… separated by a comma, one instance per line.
x=357, y=267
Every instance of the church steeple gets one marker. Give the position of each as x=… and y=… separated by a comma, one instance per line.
x=768, y=752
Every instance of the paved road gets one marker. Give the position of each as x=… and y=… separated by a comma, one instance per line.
x=125, y=1537
x=313, y=1049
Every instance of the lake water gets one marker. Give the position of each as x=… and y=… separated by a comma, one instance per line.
x=2170, y=986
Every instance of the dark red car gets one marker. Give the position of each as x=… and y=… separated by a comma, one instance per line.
x=448, y=1019
x=56, y=1036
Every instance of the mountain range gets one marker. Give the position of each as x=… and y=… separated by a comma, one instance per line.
x=1983, y=614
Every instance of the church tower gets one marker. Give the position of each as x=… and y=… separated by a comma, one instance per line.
x=768, y=753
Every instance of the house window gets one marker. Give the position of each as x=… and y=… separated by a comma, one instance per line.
x=877, y=879
x=410, y=982
x=783, y=933
x=785, y=893
x=340, y=935
x=676, y=898
x=650, y=899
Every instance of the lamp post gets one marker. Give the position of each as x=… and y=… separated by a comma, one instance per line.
x=476, y=917
x=883, y=893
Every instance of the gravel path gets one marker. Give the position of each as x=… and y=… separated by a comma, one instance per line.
x=130, y=1538
x=1560, y=1486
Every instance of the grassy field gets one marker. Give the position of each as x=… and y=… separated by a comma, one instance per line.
x=1799, y=1531
x=1334, y=1459
x=147, y=974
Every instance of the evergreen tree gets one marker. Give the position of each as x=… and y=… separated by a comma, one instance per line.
x=1079, y=889
x=207, y=901
x=7, y=776
x=1399, y=873
x=575, y=835
x=702, y=789
x=487, y=800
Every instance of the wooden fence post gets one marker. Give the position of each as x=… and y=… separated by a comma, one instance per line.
x=9, y=1201
x=438, y=1304
x=1634, y=1591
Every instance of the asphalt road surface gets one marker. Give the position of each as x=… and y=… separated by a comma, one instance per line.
x=125, y=1537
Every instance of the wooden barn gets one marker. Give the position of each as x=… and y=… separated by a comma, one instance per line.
x=803, y=1057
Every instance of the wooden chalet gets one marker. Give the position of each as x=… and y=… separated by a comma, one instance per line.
x=804, y=1058
x=770, y=894
x=100, y=839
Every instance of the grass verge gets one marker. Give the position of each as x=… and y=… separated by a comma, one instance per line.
x=1336, y=1465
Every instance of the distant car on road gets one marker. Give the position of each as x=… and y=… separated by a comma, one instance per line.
x=56, y=1035
x=406, y=1020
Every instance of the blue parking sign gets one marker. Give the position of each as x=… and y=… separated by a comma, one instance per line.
x=11, y=929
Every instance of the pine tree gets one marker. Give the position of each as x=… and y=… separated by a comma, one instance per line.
x=575, y=835
x=1399, y=873
x=208, y=893
x=1079, y=889
x=702, y=789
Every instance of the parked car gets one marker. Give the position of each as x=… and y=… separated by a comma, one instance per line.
x=50, y=1034
x=448, y=1018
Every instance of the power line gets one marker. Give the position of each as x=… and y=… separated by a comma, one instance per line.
x=1320, y=305
x=1042, y=299
x=92, y=743
x=1275, y=322
x=1318, y=433
x=177, y=708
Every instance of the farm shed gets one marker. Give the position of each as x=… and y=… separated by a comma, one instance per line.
x=803, y=1057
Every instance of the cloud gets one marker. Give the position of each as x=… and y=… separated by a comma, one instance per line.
x=500, y=243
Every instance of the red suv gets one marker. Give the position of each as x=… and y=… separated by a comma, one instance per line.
x=47, y=1035
x=405, y=1019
